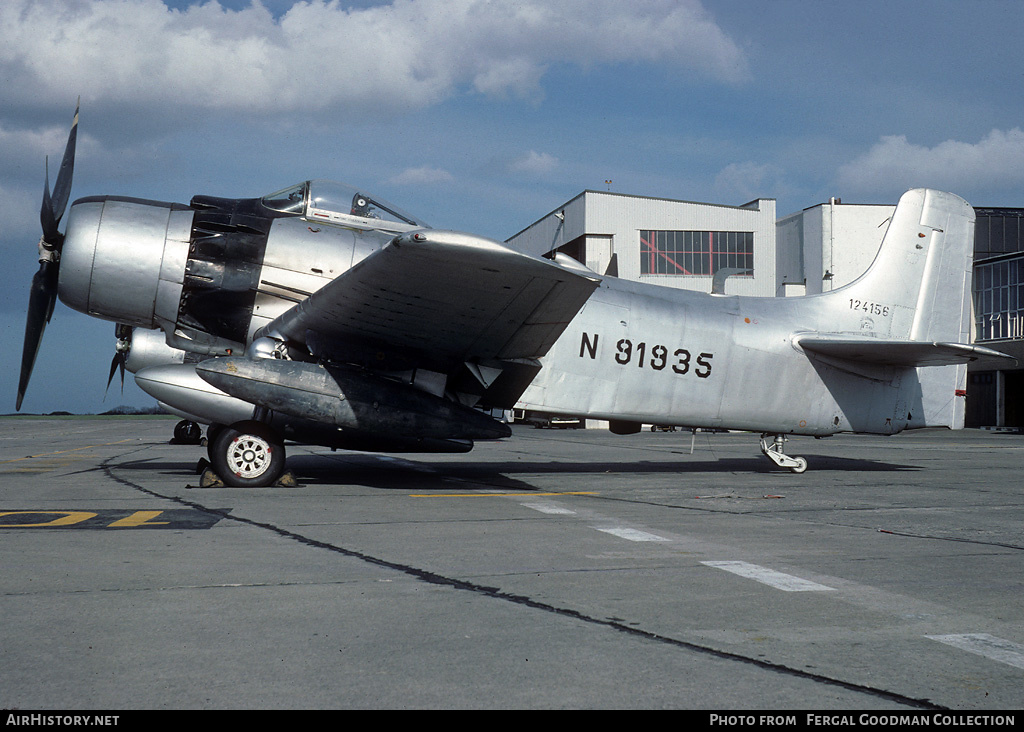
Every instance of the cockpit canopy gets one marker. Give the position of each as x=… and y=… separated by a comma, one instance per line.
x=344, y=205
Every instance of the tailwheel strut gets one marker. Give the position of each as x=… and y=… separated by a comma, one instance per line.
x=776, y=453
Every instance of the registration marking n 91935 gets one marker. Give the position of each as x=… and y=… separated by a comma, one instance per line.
x=656, y=357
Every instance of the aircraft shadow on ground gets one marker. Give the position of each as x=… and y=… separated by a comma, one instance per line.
x=419, y=472
x=427, y=475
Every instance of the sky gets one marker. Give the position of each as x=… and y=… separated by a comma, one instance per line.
x=485, y=115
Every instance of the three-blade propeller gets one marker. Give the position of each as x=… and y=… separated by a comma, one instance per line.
x=43, y=294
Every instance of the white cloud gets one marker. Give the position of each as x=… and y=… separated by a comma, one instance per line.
x=323, y=56
x=894, y=163
x=422, y=175
x=33, y=144
x=23, y=151
x=20, y=229
x=744, y=182
x=533, y=163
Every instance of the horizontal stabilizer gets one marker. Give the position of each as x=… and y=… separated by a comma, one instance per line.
x=894, y=352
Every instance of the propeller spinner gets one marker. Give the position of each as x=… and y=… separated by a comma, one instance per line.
x=43, y=294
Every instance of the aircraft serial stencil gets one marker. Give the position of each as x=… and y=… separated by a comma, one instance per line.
x=324, y=315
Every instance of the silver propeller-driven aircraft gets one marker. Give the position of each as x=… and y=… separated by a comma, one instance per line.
x=321, y=314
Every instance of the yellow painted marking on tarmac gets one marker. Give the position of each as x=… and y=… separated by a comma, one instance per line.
x=61, y=452
x=499, y=495
x=140, y=518
x=67, y=518
x=39, y=467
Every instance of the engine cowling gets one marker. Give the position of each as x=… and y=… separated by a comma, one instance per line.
x=146, y=348
x=124, y=260
x=208, y=274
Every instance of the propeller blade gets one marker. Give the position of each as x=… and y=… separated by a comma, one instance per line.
x=123, y=333
x=46, y=218
x=56, y=202
x=41, y=300
x=116, y=362
x=43, y=295
x=62, y=188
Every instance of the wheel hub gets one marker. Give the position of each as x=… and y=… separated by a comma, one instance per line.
x=249, y=456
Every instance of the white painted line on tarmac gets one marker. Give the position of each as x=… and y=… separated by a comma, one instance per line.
x=778, y=580
x=549, y=508
x=986, y=645
x=631, y=534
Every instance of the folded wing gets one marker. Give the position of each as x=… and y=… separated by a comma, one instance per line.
x=444, y=302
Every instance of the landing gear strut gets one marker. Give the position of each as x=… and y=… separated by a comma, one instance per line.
x=775, y=453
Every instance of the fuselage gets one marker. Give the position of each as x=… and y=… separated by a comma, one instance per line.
x=660, y=355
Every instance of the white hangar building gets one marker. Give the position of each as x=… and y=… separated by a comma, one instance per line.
x=744, y=250
x=686, y=244
x=827, y=246
x=663, y=241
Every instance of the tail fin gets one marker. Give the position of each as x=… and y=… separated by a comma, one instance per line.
x=922, y=273
x=922, y=277
x=912, y=310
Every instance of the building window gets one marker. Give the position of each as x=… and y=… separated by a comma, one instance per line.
x=999, y=299
x=695, y=252
x=998, y=231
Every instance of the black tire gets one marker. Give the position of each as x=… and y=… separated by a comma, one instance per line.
x=212, y=433
x=248, y=455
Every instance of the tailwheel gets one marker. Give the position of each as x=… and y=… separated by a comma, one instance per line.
x=187, y=432
x=776, y=453
x=248, y=455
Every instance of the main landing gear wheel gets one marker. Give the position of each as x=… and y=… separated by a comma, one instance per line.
x=212, y=432
x=248, y=455
x=776, y=453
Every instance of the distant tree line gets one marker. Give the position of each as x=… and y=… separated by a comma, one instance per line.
x=135, y=410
